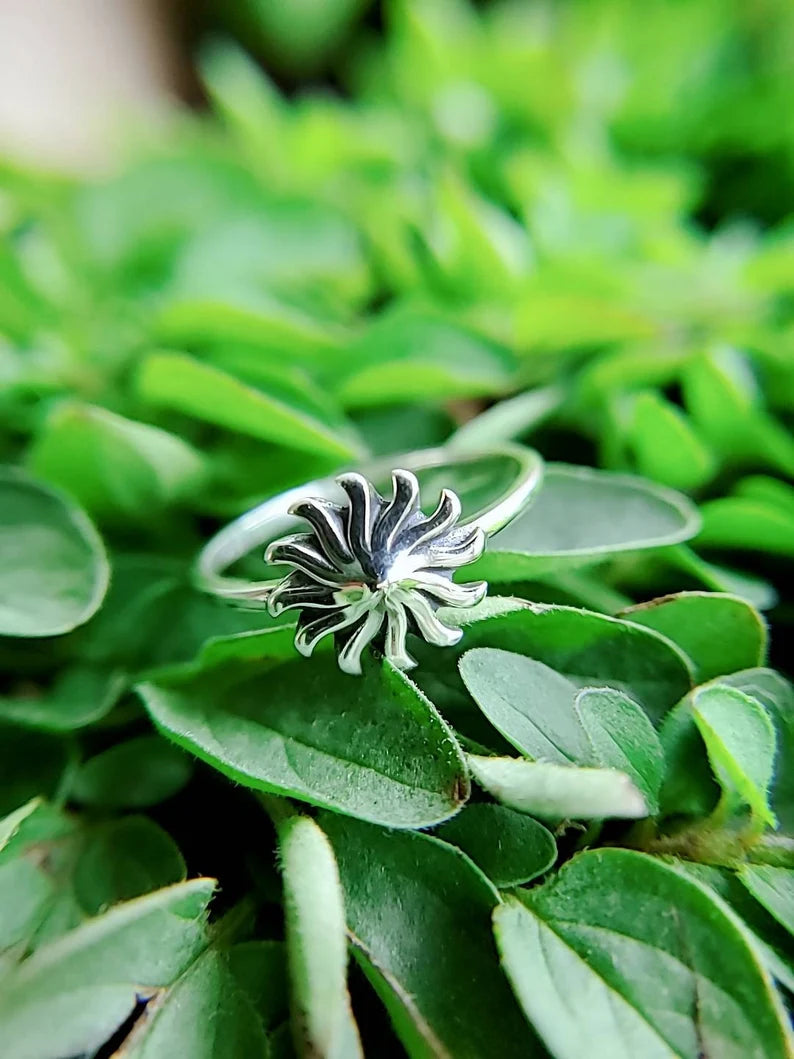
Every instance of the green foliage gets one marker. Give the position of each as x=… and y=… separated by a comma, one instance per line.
x=567, y=225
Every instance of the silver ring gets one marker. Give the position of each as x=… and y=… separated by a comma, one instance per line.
x=365, y=561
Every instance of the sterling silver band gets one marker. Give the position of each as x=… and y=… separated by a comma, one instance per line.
x=272, y=518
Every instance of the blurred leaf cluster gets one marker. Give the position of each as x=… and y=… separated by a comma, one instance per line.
x=562, y=223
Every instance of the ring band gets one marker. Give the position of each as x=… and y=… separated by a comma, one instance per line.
x=369, y=561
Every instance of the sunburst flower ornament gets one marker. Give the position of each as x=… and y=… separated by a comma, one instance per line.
x=376, y=569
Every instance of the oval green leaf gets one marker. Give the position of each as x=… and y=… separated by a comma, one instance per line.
x=372, y=747
x=612, y=927
x=582, y=516
x=53, y=569
x=509, y=847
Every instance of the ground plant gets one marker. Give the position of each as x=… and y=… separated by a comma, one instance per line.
x=571, y=834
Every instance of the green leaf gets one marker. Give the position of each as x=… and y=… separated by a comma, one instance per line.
x=719, y=633
x=211, y=394
x=316, y=939
x=529, y=703
x=774, y=889
x=776, y=695
x=581, y=517
x=741, y=522
x=510, y=848
x=407, y=354
x=614, y=927
x=56, y=871
x=79, y=696
x=589, y=648
x=666, y=448
x=53, y=569
x=115, y=467
x=260, y=968
x=740, y=742
x=203, y=1013
x=445, y=996
x=31, y=764
x=622, y=737
x=132, y=775
x=69, y=997
x=774, y=947
x=558, y=792
x=273, y=327
x=373, y=747
x=509, y=419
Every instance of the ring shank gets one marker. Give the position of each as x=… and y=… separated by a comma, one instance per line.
x=271, y=518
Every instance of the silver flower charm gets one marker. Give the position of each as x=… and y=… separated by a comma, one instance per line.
x=372, y=563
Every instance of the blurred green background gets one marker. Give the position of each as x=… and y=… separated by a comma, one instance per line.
x=364, y=224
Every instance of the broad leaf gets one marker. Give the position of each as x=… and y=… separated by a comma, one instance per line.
x=213, y=395
x=740, y=741
x=204, y=1014
x=115, y=467
x=132, y=775
x=773, y=887
x=558, y=792
x=590, y=648
x=445, y=996
x=373, y=747
x=509, y=847
x=80, y=696
x=582, y=517
x=745, y=523
x=316, y=940
x=71, y=995
x=611, y=928
x=53, y=569
x=666, y=447
x=621, y=737
x=718, y=633
x=55, y=871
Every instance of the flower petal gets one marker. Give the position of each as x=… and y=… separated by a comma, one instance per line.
x=447, y=592
x=365, y=505
x=349, y=657
x=396, y=632
x=297, y=590
x=404, y=503
x=443, y=518
x=433, y=630
x=455, y=551
x=311, y=632
x=329, y=522
x=301, y=551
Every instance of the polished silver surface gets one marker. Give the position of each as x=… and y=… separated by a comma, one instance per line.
x=372, y=568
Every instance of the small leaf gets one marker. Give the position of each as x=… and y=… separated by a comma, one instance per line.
x=211, y=394
x=719, y=633
x=580, y=517
x=203, y=1013
x=509, y=847
x=616, y=928
x=666, y=448
x=774, y=888
x=622, y=737
x=316, y=940
x=115, y=467
x=588, y=647
x=742, y=522
x=558, y=792
x=133, y=775
x=529, y=703
x=418, y=912
x=53, y=569
x=373, y=747
x=70, y=996
x=740, y=741
x=80, y=696
x=407, y=354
